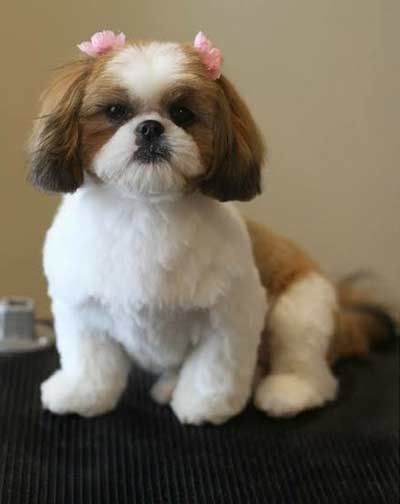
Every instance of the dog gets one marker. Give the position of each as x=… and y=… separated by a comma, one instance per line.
x=148, y=261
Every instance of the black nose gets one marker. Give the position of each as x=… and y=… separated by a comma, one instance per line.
x=150, y=130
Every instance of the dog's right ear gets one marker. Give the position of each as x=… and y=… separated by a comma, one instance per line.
x=54, y=156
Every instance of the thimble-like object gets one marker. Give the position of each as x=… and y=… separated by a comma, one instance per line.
x=18, y=330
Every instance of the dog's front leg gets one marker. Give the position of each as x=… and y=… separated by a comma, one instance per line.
x=215, y=381
x=94, y=367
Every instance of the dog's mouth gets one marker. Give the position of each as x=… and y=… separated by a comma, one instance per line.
x=152, y=153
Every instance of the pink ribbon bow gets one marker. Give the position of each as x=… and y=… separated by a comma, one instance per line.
x=102, y=42
x=210, y=55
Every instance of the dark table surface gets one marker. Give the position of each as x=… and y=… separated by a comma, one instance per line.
x=344, y=453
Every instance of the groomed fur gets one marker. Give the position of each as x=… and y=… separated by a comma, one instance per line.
x=360, y=322
x=310, y=324
x=140, y=263
x=145, y=263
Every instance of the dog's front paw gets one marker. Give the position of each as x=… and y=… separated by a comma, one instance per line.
x=62, y=394
x=196, y=408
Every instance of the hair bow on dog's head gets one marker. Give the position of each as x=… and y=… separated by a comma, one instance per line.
x=210, y=55
x=102, y=43
x=105, y=41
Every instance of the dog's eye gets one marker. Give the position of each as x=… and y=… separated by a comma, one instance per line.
x=117, y=112
x=181, y=116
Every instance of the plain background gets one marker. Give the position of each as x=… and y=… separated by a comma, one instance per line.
x=320, y=77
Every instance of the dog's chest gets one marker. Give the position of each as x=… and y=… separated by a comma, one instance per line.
x=134, y=257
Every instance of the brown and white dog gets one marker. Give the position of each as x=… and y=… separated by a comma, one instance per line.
x=145, y=261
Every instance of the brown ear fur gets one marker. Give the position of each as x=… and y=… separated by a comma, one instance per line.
x=54, y=157
x=238, y=149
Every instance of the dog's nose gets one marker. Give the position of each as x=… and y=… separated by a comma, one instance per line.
x=150, y=130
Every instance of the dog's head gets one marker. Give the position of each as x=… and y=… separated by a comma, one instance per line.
x=149, y=119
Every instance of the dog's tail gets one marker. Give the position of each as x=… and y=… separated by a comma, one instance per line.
x=362, y=324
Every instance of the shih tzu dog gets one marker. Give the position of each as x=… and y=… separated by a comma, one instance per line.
x=147, y=262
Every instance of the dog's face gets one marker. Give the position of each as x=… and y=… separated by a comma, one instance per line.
x=149, y=120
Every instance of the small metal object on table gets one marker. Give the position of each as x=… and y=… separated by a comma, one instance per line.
x=19, y=331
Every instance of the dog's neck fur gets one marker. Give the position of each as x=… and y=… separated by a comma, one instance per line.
x=107, y=201
x=155, y=201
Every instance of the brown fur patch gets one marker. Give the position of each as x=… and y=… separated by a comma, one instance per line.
x=233, y=161
x=199, y=95
x=361, y=323
x=54, y=151
x=280, y=262
x=238, y=149
x=95, y=128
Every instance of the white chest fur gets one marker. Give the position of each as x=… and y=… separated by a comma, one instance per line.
x=130, y=254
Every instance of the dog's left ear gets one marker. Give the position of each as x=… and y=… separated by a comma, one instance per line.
x=238, y=150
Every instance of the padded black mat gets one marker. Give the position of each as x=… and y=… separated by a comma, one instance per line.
x=345, y=453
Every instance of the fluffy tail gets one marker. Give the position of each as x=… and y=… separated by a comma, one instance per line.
x=362, y=324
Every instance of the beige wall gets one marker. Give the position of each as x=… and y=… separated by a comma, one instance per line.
x=319, y=76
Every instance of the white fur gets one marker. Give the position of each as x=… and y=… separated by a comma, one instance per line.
x=147, y=70
x=302, y=326
x=172, y=284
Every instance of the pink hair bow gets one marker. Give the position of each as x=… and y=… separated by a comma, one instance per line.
x=210, y=55
x=102, y=42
